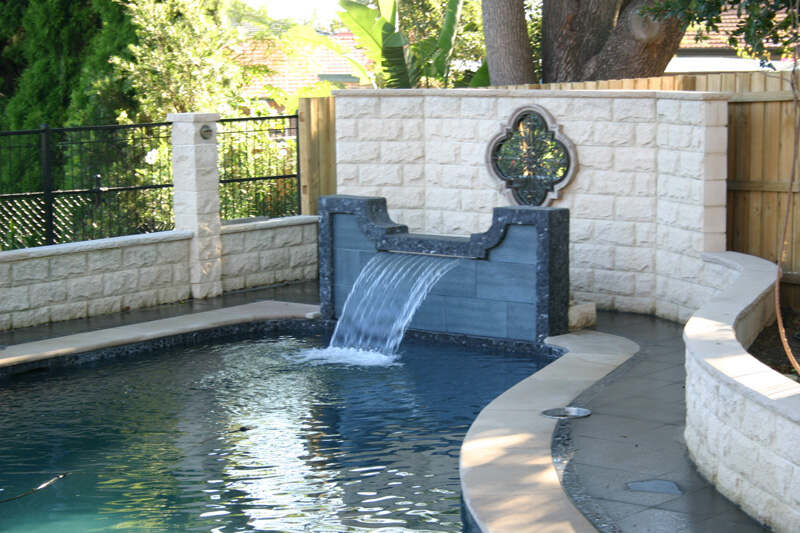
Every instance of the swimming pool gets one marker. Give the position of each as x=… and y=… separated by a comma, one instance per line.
x=248, y=435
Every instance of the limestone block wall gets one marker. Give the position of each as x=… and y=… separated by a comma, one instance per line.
x=262, y=253
x=742, y=417
x=66, y=281
x=90, y=278
x=647, y=199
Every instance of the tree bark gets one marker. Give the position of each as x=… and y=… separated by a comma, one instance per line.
x=604, y=39
x=508, y=49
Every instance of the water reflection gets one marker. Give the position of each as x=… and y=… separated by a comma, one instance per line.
x=245, y=437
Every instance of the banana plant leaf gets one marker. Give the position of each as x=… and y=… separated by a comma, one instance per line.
x=447, y=39
x=402, y=64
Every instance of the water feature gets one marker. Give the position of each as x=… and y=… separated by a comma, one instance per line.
x=384, y=298
x=511, y=284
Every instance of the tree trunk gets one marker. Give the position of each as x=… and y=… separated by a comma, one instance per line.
x=508, y=49
x=604, y=39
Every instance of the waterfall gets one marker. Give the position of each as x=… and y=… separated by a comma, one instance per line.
x=384, y=298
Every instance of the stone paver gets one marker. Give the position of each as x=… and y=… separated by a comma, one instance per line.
x=635, y=433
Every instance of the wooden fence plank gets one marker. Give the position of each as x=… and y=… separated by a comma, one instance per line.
x=770, y=159
x=317, y=150
x=328, y=152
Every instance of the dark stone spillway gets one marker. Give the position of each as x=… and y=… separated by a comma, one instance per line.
x=512, y=285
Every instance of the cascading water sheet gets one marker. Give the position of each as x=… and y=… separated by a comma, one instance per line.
x=385, y=297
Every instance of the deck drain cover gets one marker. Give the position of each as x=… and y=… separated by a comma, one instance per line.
x=660, y=486
x=567, y=412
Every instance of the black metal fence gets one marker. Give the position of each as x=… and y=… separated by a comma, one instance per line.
x=72, y=184
x=258, y=166
x=62, y=185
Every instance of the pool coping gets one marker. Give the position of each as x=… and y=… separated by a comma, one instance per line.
x=90, y=341
x=508, y=480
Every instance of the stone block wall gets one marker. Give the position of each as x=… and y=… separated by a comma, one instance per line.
x=66, y=281
x=648, y=197
x=742, y=417
x=255, y=254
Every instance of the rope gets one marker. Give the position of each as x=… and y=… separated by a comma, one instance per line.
x=782, y=255
x=35, y=489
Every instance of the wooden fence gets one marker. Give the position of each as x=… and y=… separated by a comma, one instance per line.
x=317, y=135
x=736, y=82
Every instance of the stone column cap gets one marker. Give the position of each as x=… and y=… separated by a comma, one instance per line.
x=192, y=117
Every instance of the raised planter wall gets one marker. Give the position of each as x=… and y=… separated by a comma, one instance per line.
x=255, y=254
x=742, y=417
x=647, y=200
x=84, y=279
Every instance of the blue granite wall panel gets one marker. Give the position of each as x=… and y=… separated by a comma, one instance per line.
x=475, y=316
x=347, y=234
x=431, y=314
x=520, y=320
x=506, y=282
x=461, y=281
x=518, y=246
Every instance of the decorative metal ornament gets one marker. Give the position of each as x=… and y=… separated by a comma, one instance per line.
x=532, y=157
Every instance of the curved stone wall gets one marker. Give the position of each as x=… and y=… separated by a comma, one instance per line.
x=743, y=418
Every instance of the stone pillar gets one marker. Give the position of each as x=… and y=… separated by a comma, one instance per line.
x=196, y=201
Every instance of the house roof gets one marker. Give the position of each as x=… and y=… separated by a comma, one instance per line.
x=292, y=72
x=717, y=40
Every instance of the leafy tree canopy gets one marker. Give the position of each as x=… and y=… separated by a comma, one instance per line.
x=51, y=41
x=766, y=28
x=185, y=59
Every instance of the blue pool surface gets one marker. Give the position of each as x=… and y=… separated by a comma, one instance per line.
x=253, y=435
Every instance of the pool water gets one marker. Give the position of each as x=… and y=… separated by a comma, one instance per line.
x=254, y=435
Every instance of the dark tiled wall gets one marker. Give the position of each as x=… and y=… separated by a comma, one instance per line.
x=519, y=291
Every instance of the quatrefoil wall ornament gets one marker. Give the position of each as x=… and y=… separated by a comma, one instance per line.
x=532, y=157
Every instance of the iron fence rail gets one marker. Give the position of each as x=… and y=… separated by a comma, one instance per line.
x=72, y=184
x=259, y=167
x=62, y=185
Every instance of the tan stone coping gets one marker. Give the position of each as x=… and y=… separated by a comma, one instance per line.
x=97, y=244
x=144, y=331
x=537, y=93
x=508, y=481
x=237, y=226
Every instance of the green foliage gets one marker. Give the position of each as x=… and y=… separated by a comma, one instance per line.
x=54, y=62
x=12, y=60
x=402, y=63
x=533, y=19
x=422, y=18
x=766, y=28
x=55, y=35
x=184, y=60
x=100, y=92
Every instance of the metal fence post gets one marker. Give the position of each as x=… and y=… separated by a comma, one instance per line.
x=299, y=199
x=47, y=186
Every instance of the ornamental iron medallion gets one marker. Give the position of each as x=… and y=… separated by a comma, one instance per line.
x=532, y=157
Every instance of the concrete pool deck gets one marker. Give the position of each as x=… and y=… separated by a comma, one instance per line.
x=634, y=433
